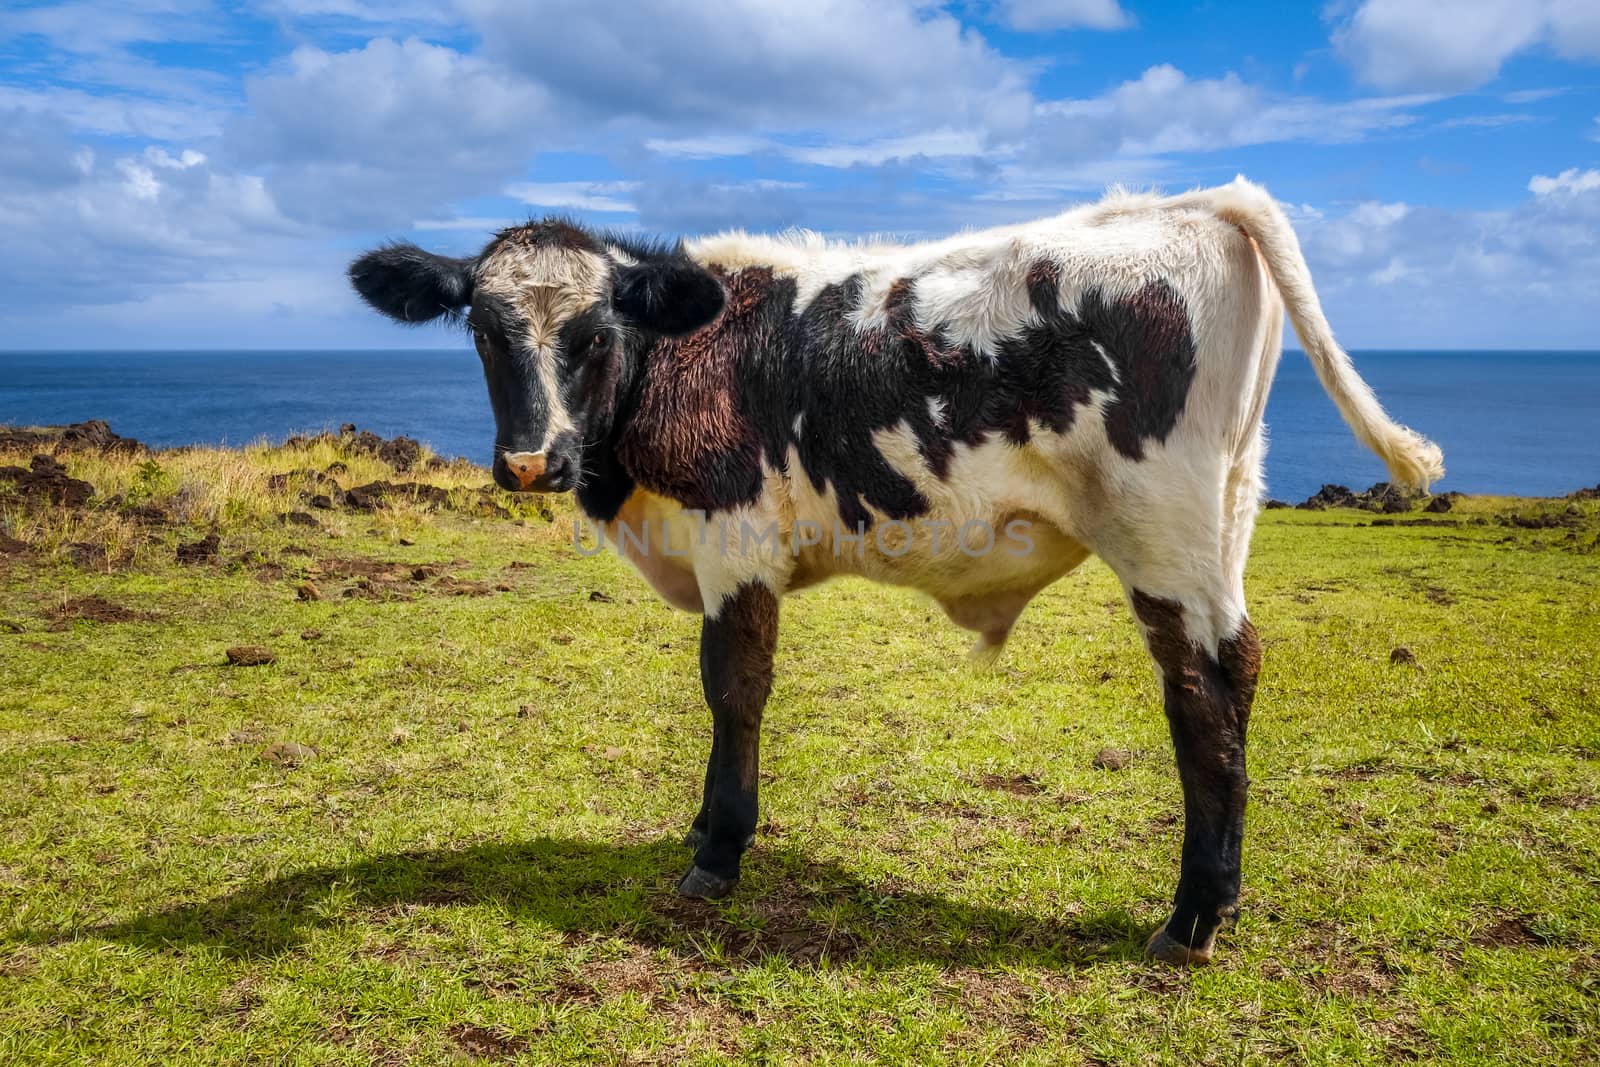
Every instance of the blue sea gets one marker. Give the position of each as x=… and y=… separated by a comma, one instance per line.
x=1509, y=422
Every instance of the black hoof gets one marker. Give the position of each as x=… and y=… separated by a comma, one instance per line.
x=703, y=885
x=694, y=838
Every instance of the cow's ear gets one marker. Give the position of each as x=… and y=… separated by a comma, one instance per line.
x=408, y=284
x=672, y=295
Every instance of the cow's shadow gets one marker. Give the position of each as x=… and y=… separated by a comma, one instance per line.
x=788, y=906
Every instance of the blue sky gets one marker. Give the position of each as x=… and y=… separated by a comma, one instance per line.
x=179, y=173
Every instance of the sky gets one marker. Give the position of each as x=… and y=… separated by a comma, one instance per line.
x=188, y=174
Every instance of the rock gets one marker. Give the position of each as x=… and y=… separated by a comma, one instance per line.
x=307, y=591
x=597, y=597
x=1403, y=655
x=1329, y=496
x=201, y=551
x=298, y=518
x=46, y=480
x=287, y=753
x=322, y=501
x=250, y=655
x=10, y=546
x=1112, y=759
x=92, y=436
x=1275, y=505
x=1442, y=503
x=310, y=635
x=1585, y=494
x=1383, y=497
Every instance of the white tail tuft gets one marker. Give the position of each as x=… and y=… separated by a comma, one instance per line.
x=1413, y=460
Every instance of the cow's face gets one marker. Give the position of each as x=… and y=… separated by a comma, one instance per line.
x=558, y=317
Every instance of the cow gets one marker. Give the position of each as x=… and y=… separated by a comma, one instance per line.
x=775, y=411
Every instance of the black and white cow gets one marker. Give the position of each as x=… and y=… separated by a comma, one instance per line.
x=748, y=415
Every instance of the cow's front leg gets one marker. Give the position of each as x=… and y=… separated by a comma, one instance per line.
x=736, y=645
x=1208, y=696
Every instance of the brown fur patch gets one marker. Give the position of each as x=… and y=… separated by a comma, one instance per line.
x=689, y=416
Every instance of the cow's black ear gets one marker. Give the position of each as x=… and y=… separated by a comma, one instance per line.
x=672, y=295
x=408, y=284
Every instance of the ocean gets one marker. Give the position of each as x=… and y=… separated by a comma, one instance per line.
x=1523, y=423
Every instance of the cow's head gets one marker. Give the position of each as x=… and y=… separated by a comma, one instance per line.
x=559, y=317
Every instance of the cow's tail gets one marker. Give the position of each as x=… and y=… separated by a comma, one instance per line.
x=1413, y=460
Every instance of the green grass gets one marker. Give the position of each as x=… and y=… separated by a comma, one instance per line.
x=478, y=862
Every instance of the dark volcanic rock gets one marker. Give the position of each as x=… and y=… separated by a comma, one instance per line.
x=1442, y=503
x=1383, y=497
x=1585, y=494
x=47, y=480
x=401, y=453
x=1329, y=496
x=95, y=435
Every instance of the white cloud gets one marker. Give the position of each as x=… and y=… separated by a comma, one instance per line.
x=377, y=136
x=1064, y=14
x=709, y=146
x=1406, y=275
x=772, y=64
x=579, y=196
x=1568, y=182
x=931, y=144
x=1164, y=111
x=1420, y=44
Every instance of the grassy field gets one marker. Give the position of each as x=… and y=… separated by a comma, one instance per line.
x=442, y=825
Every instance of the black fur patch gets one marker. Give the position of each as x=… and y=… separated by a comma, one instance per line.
x=712, y=406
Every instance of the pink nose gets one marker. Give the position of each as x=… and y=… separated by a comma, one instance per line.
x=525, y=467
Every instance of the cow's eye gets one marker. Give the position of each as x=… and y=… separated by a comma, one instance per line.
x=598, y=341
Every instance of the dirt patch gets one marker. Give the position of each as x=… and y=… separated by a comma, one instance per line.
x=46, y=480
x=298, y=518
x=193, y=553
x=1021, y=784
x=486, y=1042
x=359, y=567
x=368, y=497
x=251, y=655
x=287, y=753
x=10, y=546
x=464, y=587
x=1112, y=759
x=93, y=609
x=1510, y=931
x=93, y=436
x=1404, y=656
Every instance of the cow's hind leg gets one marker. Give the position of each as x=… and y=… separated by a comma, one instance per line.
x=1208, y=685
x=736, y=646
x=1188, y=598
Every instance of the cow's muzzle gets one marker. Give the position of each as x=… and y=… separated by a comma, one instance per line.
x=533, y=472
